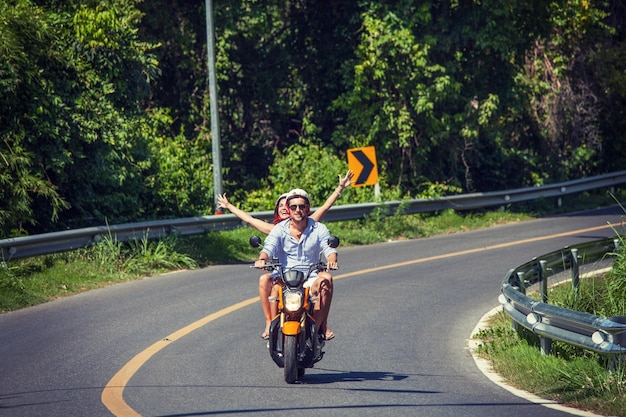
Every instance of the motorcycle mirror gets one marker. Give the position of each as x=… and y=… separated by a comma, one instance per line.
x=255, y=241
x=333, y=242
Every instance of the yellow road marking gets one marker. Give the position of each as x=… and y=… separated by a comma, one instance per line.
x=113, y=393
x=483, y=249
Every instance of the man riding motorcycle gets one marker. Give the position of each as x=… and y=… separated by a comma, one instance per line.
x=299, y=240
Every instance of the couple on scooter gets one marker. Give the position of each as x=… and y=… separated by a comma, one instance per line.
x=281, y=213
x=299, y=240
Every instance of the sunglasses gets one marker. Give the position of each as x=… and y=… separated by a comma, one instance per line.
x=293, y=207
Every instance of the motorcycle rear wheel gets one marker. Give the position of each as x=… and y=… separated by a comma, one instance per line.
x=290, y=351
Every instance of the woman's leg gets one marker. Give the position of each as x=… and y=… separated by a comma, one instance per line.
x=265, y=289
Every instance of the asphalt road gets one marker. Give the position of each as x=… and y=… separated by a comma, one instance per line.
x=180, y=344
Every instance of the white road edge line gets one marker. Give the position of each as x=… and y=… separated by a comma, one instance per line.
x=485, y=367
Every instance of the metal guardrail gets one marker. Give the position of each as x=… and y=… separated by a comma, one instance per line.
x=25, y=246
x=550, y=322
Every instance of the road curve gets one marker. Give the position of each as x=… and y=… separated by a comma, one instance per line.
x=187, y=344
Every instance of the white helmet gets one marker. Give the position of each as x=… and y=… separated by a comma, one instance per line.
x=298, y=192
x=278, y=201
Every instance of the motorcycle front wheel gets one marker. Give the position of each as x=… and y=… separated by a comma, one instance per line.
x=290, y=352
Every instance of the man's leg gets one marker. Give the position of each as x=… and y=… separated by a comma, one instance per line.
x=274, y=301
x=323, y=288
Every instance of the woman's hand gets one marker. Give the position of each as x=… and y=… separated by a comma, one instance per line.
x=222, y=201
x=347, y=180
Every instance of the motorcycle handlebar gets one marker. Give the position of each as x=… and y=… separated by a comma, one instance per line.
x=270, y=265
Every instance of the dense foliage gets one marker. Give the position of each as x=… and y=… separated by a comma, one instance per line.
x=104, y=110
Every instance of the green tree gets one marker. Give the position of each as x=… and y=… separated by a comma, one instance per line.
x=278, y=67
x=180, y=177
x=445, y=92
x=563, y=94
x=396, y=92
x=103, y=174
x=71, y=100
x=25, y=35
x=105, y=116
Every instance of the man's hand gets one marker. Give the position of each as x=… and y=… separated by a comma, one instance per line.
x=331, y=263
x=259, y=263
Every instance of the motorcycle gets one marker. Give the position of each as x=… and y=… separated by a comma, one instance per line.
x=294, y=342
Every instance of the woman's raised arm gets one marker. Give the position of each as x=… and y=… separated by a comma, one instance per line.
x=258, y=224
x=343, y=184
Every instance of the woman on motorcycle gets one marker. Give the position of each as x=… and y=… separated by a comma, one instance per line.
x=281, y=212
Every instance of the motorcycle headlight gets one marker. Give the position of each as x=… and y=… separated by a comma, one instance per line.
x=293, y=301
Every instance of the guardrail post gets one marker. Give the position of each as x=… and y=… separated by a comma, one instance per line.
x=522, y=283
x=616, y=361
x=575, y=273
x=543, y=281
x=545, y=343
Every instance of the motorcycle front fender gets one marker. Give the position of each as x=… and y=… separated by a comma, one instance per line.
x=291, y=328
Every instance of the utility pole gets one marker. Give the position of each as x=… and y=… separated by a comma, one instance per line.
x=215, y=123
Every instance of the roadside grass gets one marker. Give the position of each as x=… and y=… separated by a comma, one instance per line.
x=35, y=280
x=576, y=378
